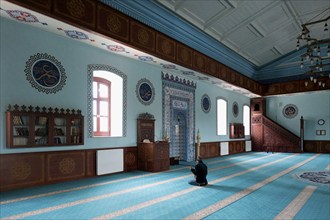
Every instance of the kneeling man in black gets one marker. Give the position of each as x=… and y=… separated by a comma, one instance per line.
x=200, y=172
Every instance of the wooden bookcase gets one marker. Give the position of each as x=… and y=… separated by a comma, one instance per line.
x=35, y=126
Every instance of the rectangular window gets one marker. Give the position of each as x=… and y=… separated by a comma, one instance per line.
x=222, y=117
x=246, y=119
x=101, y=106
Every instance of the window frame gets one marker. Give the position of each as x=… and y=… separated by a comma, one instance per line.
x=249, y=118
x=226, y=111
x=98, y=99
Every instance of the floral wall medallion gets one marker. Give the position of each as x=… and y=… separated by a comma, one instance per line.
x=145, y=91
x=290, y=111
x=235, y=109
x=206, y=103
x=45, y=73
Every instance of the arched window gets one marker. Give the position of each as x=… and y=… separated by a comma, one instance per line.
x=107, y=101
x=246, y=119
x=101, y=107
x=221, y=117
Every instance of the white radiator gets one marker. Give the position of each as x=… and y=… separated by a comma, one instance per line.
x=248, y=145
x=224, y=148
x=109, y=161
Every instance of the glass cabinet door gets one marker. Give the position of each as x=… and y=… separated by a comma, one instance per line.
x=59, y=130
x=41, y=130
x=20, y=130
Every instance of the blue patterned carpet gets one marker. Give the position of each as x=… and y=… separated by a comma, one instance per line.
x=244, y=186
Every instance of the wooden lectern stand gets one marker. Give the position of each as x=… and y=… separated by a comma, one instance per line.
x=152, y=156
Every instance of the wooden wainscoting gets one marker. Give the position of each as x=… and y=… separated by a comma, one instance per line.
x=317, y=146
x=209, y=149
x=236, y=147
x=22, y=170
x=212, y=149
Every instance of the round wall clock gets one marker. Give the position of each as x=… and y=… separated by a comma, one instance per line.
x=206, y=103
x=45, y=73
x=321, y=122
x=145, y=91
x=235, y=109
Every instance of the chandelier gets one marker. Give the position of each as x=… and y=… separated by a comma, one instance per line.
x=316, y=59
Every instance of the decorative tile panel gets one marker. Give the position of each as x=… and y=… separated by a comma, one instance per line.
x=177, y=90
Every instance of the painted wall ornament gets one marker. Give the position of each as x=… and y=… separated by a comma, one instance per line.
x=206, y=103
x=235, y=109
x=145, y=91
x=290, y=111
x=45, y=73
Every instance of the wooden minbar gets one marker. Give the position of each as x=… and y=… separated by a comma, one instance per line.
x=152, y=156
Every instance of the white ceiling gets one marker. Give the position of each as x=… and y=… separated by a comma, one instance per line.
x=259, y=30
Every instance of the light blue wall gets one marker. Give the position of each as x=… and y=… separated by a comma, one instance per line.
x=312, y=106
x=207, y=122
x=20, y=41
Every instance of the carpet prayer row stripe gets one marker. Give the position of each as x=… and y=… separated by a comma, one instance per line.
x=237, y=196
x=78, y=202
x=294, y=207
x=180, y=193
x=106, y=183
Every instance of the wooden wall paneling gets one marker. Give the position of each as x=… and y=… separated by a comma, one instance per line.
x=232, y=78
x=91, y=163
x=222, y=72
x=62, y=166
x=212, y=67
x=184, y=55
x=272, y=89
x=199, y=61
x=240, y=81
x=165, y=47
x=314, y=146
x=43, y=6
x=21, y=170
x=130, y=158
x=209, y=149
x=112, y=23
x=82, y=13
x=236, y=147
x=142, y=37
x=325, y=147
x=290, y=87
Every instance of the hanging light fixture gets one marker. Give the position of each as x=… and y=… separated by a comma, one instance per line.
x=317, y=56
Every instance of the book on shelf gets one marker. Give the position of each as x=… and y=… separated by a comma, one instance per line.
x=19, y=131
x=17, y=120
x=58, y=132
x=75, y=139
x=41, y=120
x=41, y=132
x=20, y=141
x=57, y=140
x=43, y=140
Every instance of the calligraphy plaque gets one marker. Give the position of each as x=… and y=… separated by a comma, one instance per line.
x=45, y=73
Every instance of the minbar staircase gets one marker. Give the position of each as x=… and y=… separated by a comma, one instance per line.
x=269, y=134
